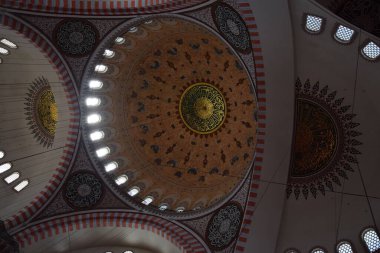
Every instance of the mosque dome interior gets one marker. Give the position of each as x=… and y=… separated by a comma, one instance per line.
x=189, y=126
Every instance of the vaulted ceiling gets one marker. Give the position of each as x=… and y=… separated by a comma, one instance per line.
x=189, y=126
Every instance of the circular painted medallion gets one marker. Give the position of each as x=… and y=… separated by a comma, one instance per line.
x=83, y=190
x=224, y=226
x=232, y=27
x=76, y=37
x=202, y=108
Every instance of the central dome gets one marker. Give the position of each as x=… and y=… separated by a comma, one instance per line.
x=178, y=116
x=202, y=108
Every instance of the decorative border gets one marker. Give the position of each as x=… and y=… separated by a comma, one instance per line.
x=246, y=12
x=100, y=8
x=187, y=241
x=72, y=136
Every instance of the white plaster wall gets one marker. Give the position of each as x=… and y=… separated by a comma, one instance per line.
x=276, y=39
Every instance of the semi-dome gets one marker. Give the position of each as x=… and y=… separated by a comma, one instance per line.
x=176, y=111
x=38, y=126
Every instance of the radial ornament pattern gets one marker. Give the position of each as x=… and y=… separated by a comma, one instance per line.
x=224, y=226
x=325, y=145
x=83, y=190
x=41, y=111
x=183, y=124
x=202, y=108
x=75, y=37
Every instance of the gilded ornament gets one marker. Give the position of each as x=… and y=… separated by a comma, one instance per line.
x=42, y=111
x=203, y=108
x=47, y=111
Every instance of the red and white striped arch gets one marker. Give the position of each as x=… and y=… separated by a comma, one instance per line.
x=72, y=136
x=186, y=241
x=247, y=15
x=99, y=7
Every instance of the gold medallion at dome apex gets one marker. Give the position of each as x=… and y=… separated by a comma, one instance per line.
x=202, y=108
x=47, y=111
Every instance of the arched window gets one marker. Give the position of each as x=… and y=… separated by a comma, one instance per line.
x=108, y=53
x=12, y=177
x=133, y=191
x=100, y=68
x=20, y=186
x=119, y=40
x=2, y=154
x=8, y=43
x=93, y=101
x=133, y=29
x=95, y=84
x=111, y=166
x=163, y=207
x=371, y=239
x=371, y=51
x=93, y=118
x=291, y=251
x=147, y=200
x=318, y=250
x=4, y=51
x=128, y=251
x=344, y=34
x=4, y=167
x=180, y=209
x=313, y=24
x=97, y=135
x=102, y=152
x=121, y=180
x=344, y=247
